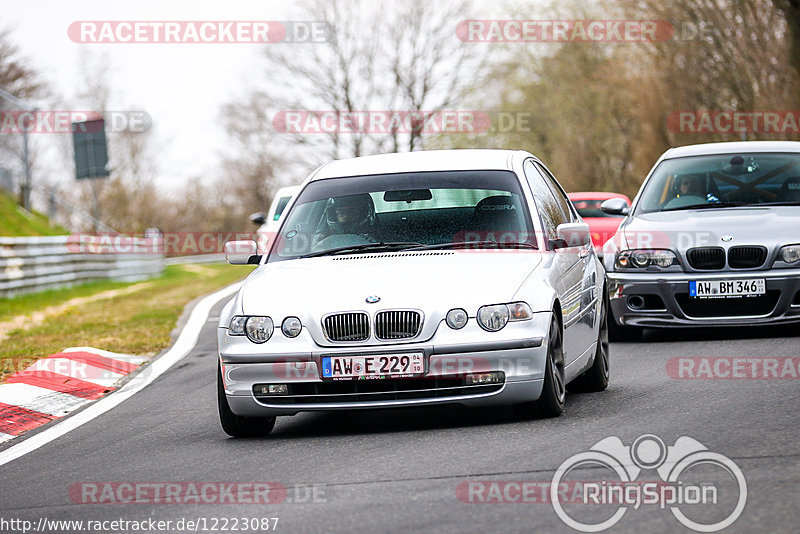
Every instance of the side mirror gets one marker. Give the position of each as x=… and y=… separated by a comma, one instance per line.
x=242, y=253
x=258, y=218
x=573, y=235
x=615, y=206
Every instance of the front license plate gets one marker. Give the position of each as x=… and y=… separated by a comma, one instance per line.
x=727, y=288
x=373, y=366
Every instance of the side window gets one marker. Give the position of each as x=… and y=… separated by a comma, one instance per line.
x=546, y=204
x=563, y=201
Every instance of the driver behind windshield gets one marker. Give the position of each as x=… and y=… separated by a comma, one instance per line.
x=692, y=185
x=353, y=214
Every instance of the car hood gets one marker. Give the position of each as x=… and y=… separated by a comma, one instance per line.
x=682, y=230
x=430, y=280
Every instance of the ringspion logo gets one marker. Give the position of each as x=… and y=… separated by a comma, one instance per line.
x=689, y=478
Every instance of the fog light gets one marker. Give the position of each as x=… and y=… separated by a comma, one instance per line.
x=271, y=389
x=291, y=327
x=456, y=318
x=495, y=377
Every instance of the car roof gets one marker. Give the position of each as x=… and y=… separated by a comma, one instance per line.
x=286, y=191
x=731, y=147
x=426, y=160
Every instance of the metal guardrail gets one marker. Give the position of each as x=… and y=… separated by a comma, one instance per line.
x=200, y=258
x=29, y=264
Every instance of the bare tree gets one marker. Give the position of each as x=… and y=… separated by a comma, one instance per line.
x=725, y=54
x=380, y=58
x=22, y=82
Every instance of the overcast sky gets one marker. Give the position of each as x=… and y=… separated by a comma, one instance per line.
x=181, y=86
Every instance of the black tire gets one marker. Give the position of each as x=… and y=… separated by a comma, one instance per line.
x=237, y=425
x=551, y=401
x=595, y=378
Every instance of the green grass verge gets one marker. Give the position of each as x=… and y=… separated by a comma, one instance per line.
x=138, y=322
x=15, y=221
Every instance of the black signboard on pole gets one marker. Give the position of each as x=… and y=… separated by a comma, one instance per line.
x=89, y=145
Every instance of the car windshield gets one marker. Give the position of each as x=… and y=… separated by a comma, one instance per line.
x=726, y=180
x=409, y=210
x=591, y=208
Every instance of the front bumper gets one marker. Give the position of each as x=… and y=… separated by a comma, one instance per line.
x=520, y=358
x=667, y=301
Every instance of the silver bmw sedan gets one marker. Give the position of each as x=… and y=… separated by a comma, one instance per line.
x=417, y=279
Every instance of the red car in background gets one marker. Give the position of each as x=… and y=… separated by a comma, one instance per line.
x=602, y=225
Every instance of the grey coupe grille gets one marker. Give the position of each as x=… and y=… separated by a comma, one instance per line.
x=397, y=324
x=747, y=257
x=706, y=258
x=349, y=326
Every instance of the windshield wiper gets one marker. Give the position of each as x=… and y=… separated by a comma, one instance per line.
x=366, y=247
x=477, y=244
x=708, y=205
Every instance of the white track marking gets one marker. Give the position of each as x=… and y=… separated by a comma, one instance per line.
x=183, y=345
x=79, y=370
x=40, y=400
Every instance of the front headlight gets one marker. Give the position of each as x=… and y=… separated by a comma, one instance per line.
x=790, y=253
x=496, y=316
x=643, y=258
x=258, y=329
x=493, y=318
x=236, y=326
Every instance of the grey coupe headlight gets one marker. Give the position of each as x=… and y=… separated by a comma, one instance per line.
x=291, y=327
x=456, y=318
x=236, y=326
x=643, y=258
x=258, y=329
x=790, y=253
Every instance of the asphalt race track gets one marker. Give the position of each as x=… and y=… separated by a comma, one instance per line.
x=411, y=470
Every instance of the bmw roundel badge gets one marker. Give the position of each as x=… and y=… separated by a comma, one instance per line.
x=372, y=299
